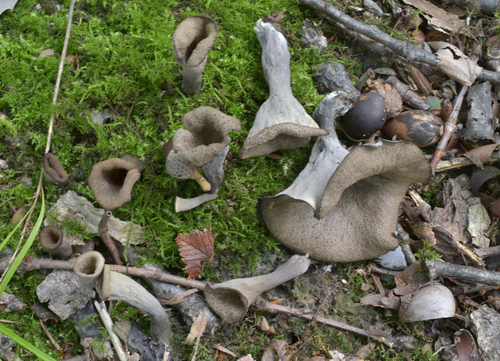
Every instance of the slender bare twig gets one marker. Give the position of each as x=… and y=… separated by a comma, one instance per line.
x=438, y=268
x=487, y=252
x=108, y=323
x=445, y=165
x=106, y=238
x=450, y=127
x=264, y=305
x=400, y=48
x=49, y=335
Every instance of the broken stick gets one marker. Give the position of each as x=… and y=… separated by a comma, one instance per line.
x=438, y=268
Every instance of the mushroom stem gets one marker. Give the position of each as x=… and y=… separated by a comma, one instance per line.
x=192, y=77
x=185, y=204
x=201, y=180
x=106, y=238
x=231, y=299
x=89, y=267
x=116, y=286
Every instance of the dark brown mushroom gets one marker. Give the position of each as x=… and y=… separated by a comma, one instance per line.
x=52, y=239
x=111, y=182
x=53, y=170
x=193, y=39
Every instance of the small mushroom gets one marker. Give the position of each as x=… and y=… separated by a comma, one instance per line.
x=366, y=117
x=116, y=286
x=52, y=239
x=430, y=302
x=204, y=143
x=193, y=39
x=53, y=169
x=88, y=267
x=111, y=182
x=344, y=207
x=231, y=299
x=420, y=127
x=281, y=122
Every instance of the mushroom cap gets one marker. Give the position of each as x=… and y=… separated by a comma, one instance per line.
x=51, y=237
x=111, y=182
x=205, y=135
x=359, y=209
x=53, y=169
x=193, y=39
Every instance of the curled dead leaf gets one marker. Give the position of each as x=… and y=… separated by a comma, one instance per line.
x=195, y=247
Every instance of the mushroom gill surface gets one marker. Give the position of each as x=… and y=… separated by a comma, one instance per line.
x=281, y=122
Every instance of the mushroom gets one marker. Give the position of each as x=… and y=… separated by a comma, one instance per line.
x=116, y=286
x=193, y=39
x=52, y=239
x=281, y=122
x=111, y=182
x=88, y=267
x=53, y=169
x=231, y=299
x=344, y=207
x=203, y=143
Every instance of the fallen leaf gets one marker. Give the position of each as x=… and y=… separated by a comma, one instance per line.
x=437, y=17
x=47, y=52
x=197, y=328
x=223, y=349
x=195, y=247
x=481, y=155
x=7, y=5
x=466, y=346
x=454, y=63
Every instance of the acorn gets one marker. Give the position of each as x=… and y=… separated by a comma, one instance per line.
x=366, y=117
x=420, y=127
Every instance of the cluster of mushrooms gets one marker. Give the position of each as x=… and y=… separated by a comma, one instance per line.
x=343, y=206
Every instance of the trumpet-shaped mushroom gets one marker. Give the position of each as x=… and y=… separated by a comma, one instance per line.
x=116, y=286
x=203, y=143
x=52, y=239
x=344, y=207
x=53, y=170
x=281, y=122
x=88, y=267
x=111, y=182
x=231, y=299
x=193, y=39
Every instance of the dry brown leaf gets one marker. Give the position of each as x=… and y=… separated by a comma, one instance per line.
x=481, y=155
x=438, y=18
x=195, y=247
x=197, y=328
x=178, y=298
x=466, y=346
x=223, y=349
x=377, y=300
x=454, y=63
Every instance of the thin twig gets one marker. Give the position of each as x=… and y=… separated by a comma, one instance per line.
x=49, y=335
x=450, y=127
x=445, y=165
x=106, y=238
x=438, y=268
x=108, y=323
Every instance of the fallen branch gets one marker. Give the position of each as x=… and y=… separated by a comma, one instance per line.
x=438, y=268
x=400, y=48
x=445, y=165
x=264, y=305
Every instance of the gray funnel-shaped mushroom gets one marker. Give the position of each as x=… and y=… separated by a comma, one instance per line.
x=193, y=40
x=281, y=122
x=203, y=143
x=350, y=212
x=231, y=299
